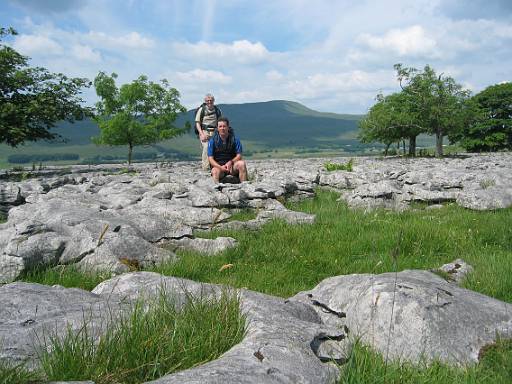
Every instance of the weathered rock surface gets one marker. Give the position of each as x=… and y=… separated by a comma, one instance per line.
x=31, y=313
x=103, y=220
x=457, y=270
x=412, y=315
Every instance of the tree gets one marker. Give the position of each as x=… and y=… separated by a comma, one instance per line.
x=491, y=129
x=437, y=102
x=32, y=100
x=390, y=120
x=139, y=113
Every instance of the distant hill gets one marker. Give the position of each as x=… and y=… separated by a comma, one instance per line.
x=282, y=123
x=272, y=123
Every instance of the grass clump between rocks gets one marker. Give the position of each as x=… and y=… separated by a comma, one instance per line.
x=148, y=343
x=153, y=340
x=348, y=166
x=243, y=214
x=16, y=374
x=68, y=276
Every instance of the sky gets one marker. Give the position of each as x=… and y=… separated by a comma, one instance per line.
x=332, y=56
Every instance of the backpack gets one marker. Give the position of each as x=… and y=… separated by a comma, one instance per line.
x=203, y=111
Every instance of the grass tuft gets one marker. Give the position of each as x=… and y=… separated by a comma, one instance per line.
x=68, y=276
x=339, y=167
x=17, y=374
x=154, y=340
x=243, y=214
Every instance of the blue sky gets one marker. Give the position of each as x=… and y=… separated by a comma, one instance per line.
x=331, y=56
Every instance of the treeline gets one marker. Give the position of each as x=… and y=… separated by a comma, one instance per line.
x=437, y=105
x=22, y=159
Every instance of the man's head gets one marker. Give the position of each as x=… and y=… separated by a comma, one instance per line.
x=209, y=100
x=223, y=127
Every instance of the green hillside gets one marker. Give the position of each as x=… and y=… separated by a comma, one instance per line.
x=273, y=128
x=283, y=123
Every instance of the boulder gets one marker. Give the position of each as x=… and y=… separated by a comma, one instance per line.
x=412, y=315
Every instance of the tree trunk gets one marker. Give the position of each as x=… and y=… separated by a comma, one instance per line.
x=403, y=147
x=439, y=142
x=387, y=149
x=412, y=146
x=130, y=150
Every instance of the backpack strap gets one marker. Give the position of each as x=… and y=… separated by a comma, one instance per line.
x=201, y=116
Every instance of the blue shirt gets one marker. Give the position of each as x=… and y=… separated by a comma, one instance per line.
x=215, y=143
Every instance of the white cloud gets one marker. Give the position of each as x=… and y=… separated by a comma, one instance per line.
x=132, y=40
x=269, y=50
x=86, y=53
x=37, y=44
x=412, y=41
x=204, y=76
x=242, y=51
x=355, y=80
x=274, y=75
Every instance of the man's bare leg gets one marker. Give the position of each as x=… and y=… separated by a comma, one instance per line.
x=240, y=168
x=217, y=174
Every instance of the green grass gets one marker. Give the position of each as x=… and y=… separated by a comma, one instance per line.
x=243, y=214
x=366, y=366
x=68, y=276
x=150, y=342
x=339, y=167
x=283, y=259
x=16, y=374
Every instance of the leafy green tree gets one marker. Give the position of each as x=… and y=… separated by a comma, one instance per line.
x=438, y=103
x=389, y=121
x=139, y=113
x=491, y=129
x=32, y=100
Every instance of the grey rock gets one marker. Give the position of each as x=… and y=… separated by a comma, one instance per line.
x=206, y=246
x=31, y=313
x=412, y=315
x=70, y=382
x=457, y=270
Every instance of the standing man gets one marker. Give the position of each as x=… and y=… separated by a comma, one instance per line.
x=206, y=122
x=225, y=153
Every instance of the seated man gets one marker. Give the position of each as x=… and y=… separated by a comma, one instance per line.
x=225, y=153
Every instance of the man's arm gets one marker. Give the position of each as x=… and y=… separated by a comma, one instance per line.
x=214, y=164
x=202, y=134
x=226, y=167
